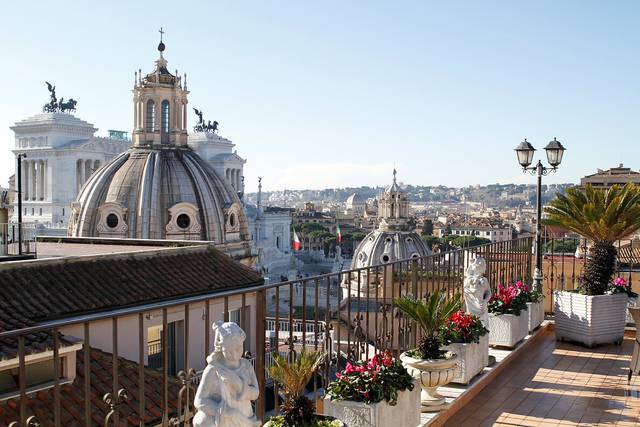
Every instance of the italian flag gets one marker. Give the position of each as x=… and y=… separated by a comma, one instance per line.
x=296, y=241
x=339, y=234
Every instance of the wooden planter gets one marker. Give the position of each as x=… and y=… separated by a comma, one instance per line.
x=507, y=330
x=590, y=320
x=536, y=314
x=406, y=413
x=472, y=359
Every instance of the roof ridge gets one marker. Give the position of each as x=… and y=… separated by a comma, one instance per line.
x=140, y=254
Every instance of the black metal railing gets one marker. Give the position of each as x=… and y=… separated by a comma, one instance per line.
x=349, y=315
x=17, y=239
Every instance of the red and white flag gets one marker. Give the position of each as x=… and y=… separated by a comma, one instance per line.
x=339, y=234
x=296, y=241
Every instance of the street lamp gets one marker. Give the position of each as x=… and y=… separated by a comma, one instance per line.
x=20, y=156
x=525, y=152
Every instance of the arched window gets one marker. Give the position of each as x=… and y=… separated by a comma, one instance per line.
x=151, y=116
x=164, y=124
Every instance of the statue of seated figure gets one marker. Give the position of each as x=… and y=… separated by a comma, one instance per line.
x=228, y=383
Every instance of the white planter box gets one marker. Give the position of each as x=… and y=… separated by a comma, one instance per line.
x=633, y=302
x=506, y=330
x=536, y=314
x=406, y=413
x=472, y=359
x=591, y=320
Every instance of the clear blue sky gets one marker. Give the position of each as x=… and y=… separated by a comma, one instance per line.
x=333, y=93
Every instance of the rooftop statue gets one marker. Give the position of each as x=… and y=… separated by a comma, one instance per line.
x=228, y=383
x=202, y=126
x=477, y=291
x=54, y=105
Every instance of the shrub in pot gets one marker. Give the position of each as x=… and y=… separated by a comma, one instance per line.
x=297, y=409
x=431, y=365
x=379, y=391
x=465, y=335
x=508, y=317
x=594, y=314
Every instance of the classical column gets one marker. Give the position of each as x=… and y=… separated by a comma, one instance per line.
x=87, y=170
x=135, y=114
x=79, y=174
x=41, y=180
x=34, y=181
x=184, y=116
x=25, y=179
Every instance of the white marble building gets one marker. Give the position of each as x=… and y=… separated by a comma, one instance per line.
x=62, y=151
x=218, y=152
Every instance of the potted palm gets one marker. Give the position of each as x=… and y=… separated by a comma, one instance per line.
x=377, y=392
x=298, y=410
x=431, y=365
x=594, y=314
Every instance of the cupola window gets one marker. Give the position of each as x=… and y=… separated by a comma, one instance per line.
x=164, y=126
x=183, y=221
x=151, y=116
x=112, y=220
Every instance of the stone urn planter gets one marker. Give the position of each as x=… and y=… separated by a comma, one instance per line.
x=431, y=374
x=472, y=359
x=406, y=413
x=507, y=330
x=535, y=312
x=590, y=320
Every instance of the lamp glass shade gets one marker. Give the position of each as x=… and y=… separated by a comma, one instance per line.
x=554, y=150
x=525, y=152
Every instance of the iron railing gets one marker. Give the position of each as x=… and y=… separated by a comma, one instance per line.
x=349, y=315
x=10, y=235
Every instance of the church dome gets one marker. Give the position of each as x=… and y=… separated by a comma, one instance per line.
x=394, y=239
x=166, y=193
x=159, y=188
x=355, y=199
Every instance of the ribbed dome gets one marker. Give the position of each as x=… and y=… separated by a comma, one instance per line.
x=159, y=193
x=380, y=247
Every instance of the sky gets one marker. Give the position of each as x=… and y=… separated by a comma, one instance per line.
x=319, y=94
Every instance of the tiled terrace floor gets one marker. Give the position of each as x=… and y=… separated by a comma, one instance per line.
x=562, y=384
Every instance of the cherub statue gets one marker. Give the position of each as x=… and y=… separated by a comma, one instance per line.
x=477, y=291
x=228, y=383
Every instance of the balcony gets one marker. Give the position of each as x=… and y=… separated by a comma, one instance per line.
x=122, y=378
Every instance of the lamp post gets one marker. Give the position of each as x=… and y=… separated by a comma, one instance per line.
x=525, y=152
x=20, y=156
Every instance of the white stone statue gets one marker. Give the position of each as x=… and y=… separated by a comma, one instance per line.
x=228, y=383
x=477, y=291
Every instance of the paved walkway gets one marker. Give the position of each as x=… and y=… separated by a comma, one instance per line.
x=559, y=384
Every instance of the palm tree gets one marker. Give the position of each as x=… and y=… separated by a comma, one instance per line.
x=294, y=376
x=429, y=316
x=602, y=216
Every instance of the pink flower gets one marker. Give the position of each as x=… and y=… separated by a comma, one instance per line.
x=619, y=281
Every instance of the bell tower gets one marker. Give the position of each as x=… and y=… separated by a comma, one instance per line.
x=159, y=106
x=393, y=208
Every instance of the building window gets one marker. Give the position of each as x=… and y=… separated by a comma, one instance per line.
x=33, y=211
x=164, y=123
x=62, y=211
x=175, y=347
x=40, y=211
x=151, y=116
x=38, y=375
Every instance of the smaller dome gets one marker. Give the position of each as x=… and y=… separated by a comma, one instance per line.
x=381, y=247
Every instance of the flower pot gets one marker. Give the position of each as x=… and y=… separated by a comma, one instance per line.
x=431, y=374
x=405, y=413
x=590, y=319
x=472, y=359
x=633, y=302
x=507, y=330
x=536, y=314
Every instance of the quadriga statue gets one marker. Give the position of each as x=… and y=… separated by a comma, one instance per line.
x=477, y=291
x=228, y=383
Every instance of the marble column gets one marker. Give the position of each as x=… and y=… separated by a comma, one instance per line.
x=40, y=179
x=25, y=179
x=87, y=170
x=34, y=180
x=79, y=174
x=184, y=116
